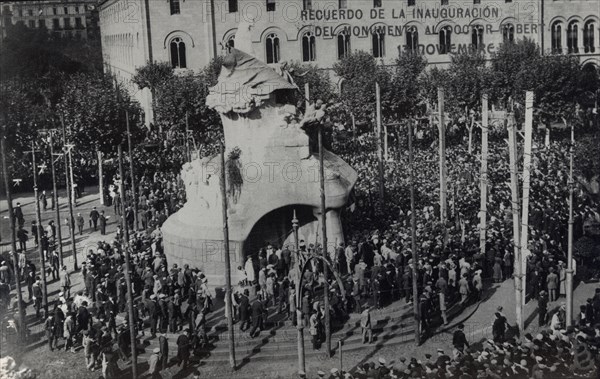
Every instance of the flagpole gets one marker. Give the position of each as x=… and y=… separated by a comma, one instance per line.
x=132, y=173
x=11, y=217
x=413, y=236
x=39, y=230
x=69, y=193
x=55, y=196
x=132, y=332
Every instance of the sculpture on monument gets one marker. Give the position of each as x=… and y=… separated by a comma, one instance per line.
x=269, y=150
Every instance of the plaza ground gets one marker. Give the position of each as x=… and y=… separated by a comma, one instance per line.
x=61, y=364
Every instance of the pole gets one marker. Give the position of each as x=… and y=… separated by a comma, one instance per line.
x=11, y=217
x=299, y=323
x=73, y=198
x=413, y=235
x=187, y=137
x=69, y=193
x=324, y=247
x=529, y=99
x=340, y=343
x=385, y=142
x=442, y=153
x=379, y=148
x=307, y=95
x=569, y=315
x=55, y=195
x=132, y=332
x=100, y=178
x=483, y=174
x=38, y=216
x=514, y=190
x=228, y=302
x=132, y=173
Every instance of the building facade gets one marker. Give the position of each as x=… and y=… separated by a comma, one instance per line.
x=64, y=18
x=189, y=33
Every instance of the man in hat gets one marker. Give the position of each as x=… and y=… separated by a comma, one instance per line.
x=542, y=308
x=152, y=310
x=94, y=216
x=183, y=348
x=552, y=282
x=459, y=341
x=366, y=325
x=154, y=369
x=102, y=218
x=65, y=282
x=382, y=370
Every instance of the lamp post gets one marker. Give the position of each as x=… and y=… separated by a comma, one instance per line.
x=67, y=153
x=299, y=325
x=569, y=313
x=55, y=195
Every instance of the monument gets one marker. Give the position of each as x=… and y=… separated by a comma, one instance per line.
x=272, y=170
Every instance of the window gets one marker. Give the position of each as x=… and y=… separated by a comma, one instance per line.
x=178, y=59
x=54, y=11
x=78, y=22
x=32, y=24
x=588, y=37
x=342, y=4
x=557, y=37
x=20, y=12
x=411, y=3
x=445, y=39
x=307, y=4
x=508, y=1
x=230, y=42
x=233, y=6
x=378, y=39
x=476, y=1
x=175, y=6
x=66, y=10
x=412, y=39
x=343, y=42
x=30, y=12
x=444, y=2
x=377, y=3
x=270, y=5
x=42, y=23
x=508, y=33
x=309, y=49
x=76, y=9
x=272, y=46
x=55, y=23
x=572, y=38
x=477, y=37
x=67, y=22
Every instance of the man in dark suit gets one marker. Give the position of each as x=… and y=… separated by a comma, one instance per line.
x=183, y=349
x=18, y=214
x=164, y=351
x=244, y=311
x=102, y=220
x=257, y=316
x=94, y=216
x=152, y=310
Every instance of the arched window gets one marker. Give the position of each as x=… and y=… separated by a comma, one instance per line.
x=343, y=43
x=272, y=45
x=230, y=41
x=477, y=37
x=412, y=39
x=378, y=40
x=557, y=37
x=588, y=37
x=178, y=58
x=307, y=4
x=508, y=33
x=572, y=38
x=445, y=39
x=309, y=48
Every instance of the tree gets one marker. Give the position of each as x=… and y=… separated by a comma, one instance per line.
x=406, y=96
x=152, y=76
x=554, y=79
x=510, y=59
x=319, y=82
x=360, y=72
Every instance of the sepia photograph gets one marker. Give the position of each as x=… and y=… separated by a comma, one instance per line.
x=265, y=189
